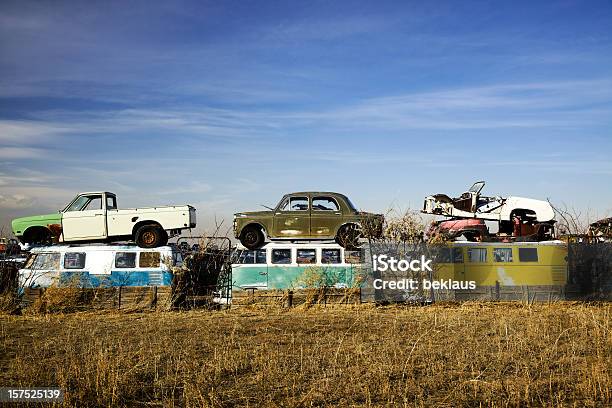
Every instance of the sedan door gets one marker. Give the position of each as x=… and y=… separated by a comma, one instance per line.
x=326, y=217
x=292, y=218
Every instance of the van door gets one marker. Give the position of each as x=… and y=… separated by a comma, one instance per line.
x=85, y=218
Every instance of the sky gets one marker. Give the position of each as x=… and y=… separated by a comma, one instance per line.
x=228, y=105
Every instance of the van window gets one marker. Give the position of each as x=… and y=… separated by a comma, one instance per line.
x=47, y=261
x=353, y=257
x=246, y=257
x=457, y=254
x=74, y=260
x=260, y=256
x=324, y=204
x=281, y=256
x=29, y=261
x=251, y=256
x=125, y=260
x=448, y=255
x=477, y=254
x=149, y=260
x=306, y=256
x=177, y=258
x=502, y=254
x=330, y=256
x=528, y=254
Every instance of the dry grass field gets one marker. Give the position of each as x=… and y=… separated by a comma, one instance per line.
x=474, y=354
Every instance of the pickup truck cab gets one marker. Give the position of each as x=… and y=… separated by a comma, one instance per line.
x=94, y=217
x=308, y=216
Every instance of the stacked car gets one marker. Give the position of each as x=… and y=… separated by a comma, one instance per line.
x=308, y=216
x=517, y=218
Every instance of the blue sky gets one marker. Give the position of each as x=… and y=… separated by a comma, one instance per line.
x=228, y=105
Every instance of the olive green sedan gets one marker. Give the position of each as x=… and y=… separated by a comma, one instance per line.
x=308, y=216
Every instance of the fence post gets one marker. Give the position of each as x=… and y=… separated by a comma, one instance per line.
x=290, y=298
x=119, y=301
x=497, y=290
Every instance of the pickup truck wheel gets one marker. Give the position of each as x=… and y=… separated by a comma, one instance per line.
x=348, y=237
x=37, y=236
x=150, y=236
x=252, y=237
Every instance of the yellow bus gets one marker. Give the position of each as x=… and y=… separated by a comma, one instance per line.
x=505, y=264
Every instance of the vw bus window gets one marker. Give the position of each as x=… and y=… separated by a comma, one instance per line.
x=29, y=261
x=353, y=257
x=177, y=258
x=149, y=260
x=125, y=260
x=502, y=254
x=457, y=255
x=74, y=260
x=443, y=255
x=281, y=256
x=46, y=261
x=477, y=255
x=330, y=256
x=246, y=257
x=306, y=256
x=528, y=254
x=260, y=256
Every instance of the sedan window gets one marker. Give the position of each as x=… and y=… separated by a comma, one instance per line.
x=295, y=204
x=324, y=204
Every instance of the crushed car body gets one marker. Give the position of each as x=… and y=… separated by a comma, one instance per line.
x=472, y=204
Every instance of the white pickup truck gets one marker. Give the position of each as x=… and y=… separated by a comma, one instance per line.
x=95, y=217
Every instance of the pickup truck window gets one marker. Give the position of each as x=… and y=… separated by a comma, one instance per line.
x=125, y=260
x=111, y=203
x=78, y=204
x=149, y=260
x=324, y=204
x=95, y=203
x=74, y=260
x=85, y=203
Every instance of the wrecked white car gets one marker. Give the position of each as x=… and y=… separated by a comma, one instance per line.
x=472, y=204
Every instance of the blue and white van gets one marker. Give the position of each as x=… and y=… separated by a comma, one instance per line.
x=99, y=266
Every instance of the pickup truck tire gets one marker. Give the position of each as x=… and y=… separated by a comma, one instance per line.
x=348, y=236
x=37, y=235
x=151, y=236
x=252, y=237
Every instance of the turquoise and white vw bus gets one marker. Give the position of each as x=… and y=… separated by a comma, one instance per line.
x=296, y=266
x=99, y=266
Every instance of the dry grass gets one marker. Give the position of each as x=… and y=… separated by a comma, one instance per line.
x=454, y=355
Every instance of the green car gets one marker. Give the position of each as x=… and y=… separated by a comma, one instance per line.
x=308, y=216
